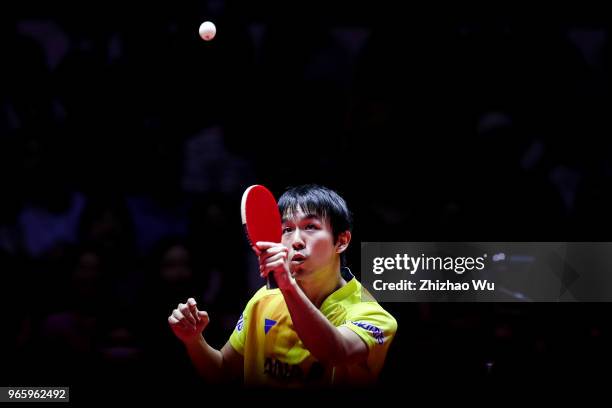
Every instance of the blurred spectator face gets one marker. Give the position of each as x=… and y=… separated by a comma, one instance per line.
x=105, y=228
x=86, y=275
x=175, y=265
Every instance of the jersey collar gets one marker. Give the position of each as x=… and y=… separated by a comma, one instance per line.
x=352, y=286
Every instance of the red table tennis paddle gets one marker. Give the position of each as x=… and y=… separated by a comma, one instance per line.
x=261, y=219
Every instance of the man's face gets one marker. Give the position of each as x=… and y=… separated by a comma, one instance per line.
x=311, y=243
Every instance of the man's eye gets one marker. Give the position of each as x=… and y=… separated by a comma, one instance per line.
x=311, y=226
x=286, y=229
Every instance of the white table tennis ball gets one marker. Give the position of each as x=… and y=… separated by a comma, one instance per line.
x=207, y=30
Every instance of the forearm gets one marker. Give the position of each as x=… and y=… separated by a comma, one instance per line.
x=322, y=338
x=207, y=360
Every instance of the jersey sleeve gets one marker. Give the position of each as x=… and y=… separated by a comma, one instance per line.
x=240, y=333
x=376, y=327
x=238, y=336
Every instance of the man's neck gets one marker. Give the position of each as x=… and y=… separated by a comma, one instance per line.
x=319, y=287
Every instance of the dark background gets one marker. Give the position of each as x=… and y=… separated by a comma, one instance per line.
x=126, y=142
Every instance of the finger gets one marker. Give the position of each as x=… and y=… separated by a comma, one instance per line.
x=184, y=309
x=272, y=266
x=182, y=320
x=174, y=322
x=276, y=249
x=273, y=251
x=178, y=315
x=202, y=321
x=272, y=263
x=275, y=265
x=203, y=316
x=274, y=258
x=264, y=245
x=193, y=308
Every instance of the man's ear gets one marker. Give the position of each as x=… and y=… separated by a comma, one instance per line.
x=343, y=241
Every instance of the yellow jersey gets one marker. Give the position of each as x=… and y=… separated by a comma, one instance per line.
x=274, y=355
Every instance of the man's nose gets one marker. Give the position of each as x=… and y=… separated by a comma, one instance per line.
x=297, y=242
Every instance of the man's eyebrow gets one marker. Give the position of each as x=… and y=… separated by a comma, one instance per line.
x=306, y=217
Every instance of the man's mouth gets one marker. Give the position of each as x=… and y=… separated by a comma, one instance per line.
x=298, y=258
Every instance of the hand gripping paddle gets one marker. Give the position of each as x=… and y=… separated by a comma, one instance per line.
x=261, y=219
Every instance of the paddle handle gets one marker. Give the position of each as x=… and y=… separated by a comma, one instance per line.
x=271, y=281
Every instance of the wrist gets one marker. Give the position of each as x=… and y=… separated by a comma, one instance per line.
x=287, y=285
x=196, y=341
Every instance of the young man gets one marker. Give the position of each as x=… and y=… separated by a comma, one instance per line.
x=318, y=327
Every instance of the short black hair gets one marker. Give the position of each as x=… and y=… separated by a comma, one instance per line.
x=318, y=200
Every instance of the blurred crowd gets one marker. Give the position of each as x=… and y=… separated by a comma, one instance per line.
x=126, y=142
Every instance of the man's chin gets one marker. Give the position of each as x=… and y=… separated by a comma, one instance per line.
x=297, y=271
